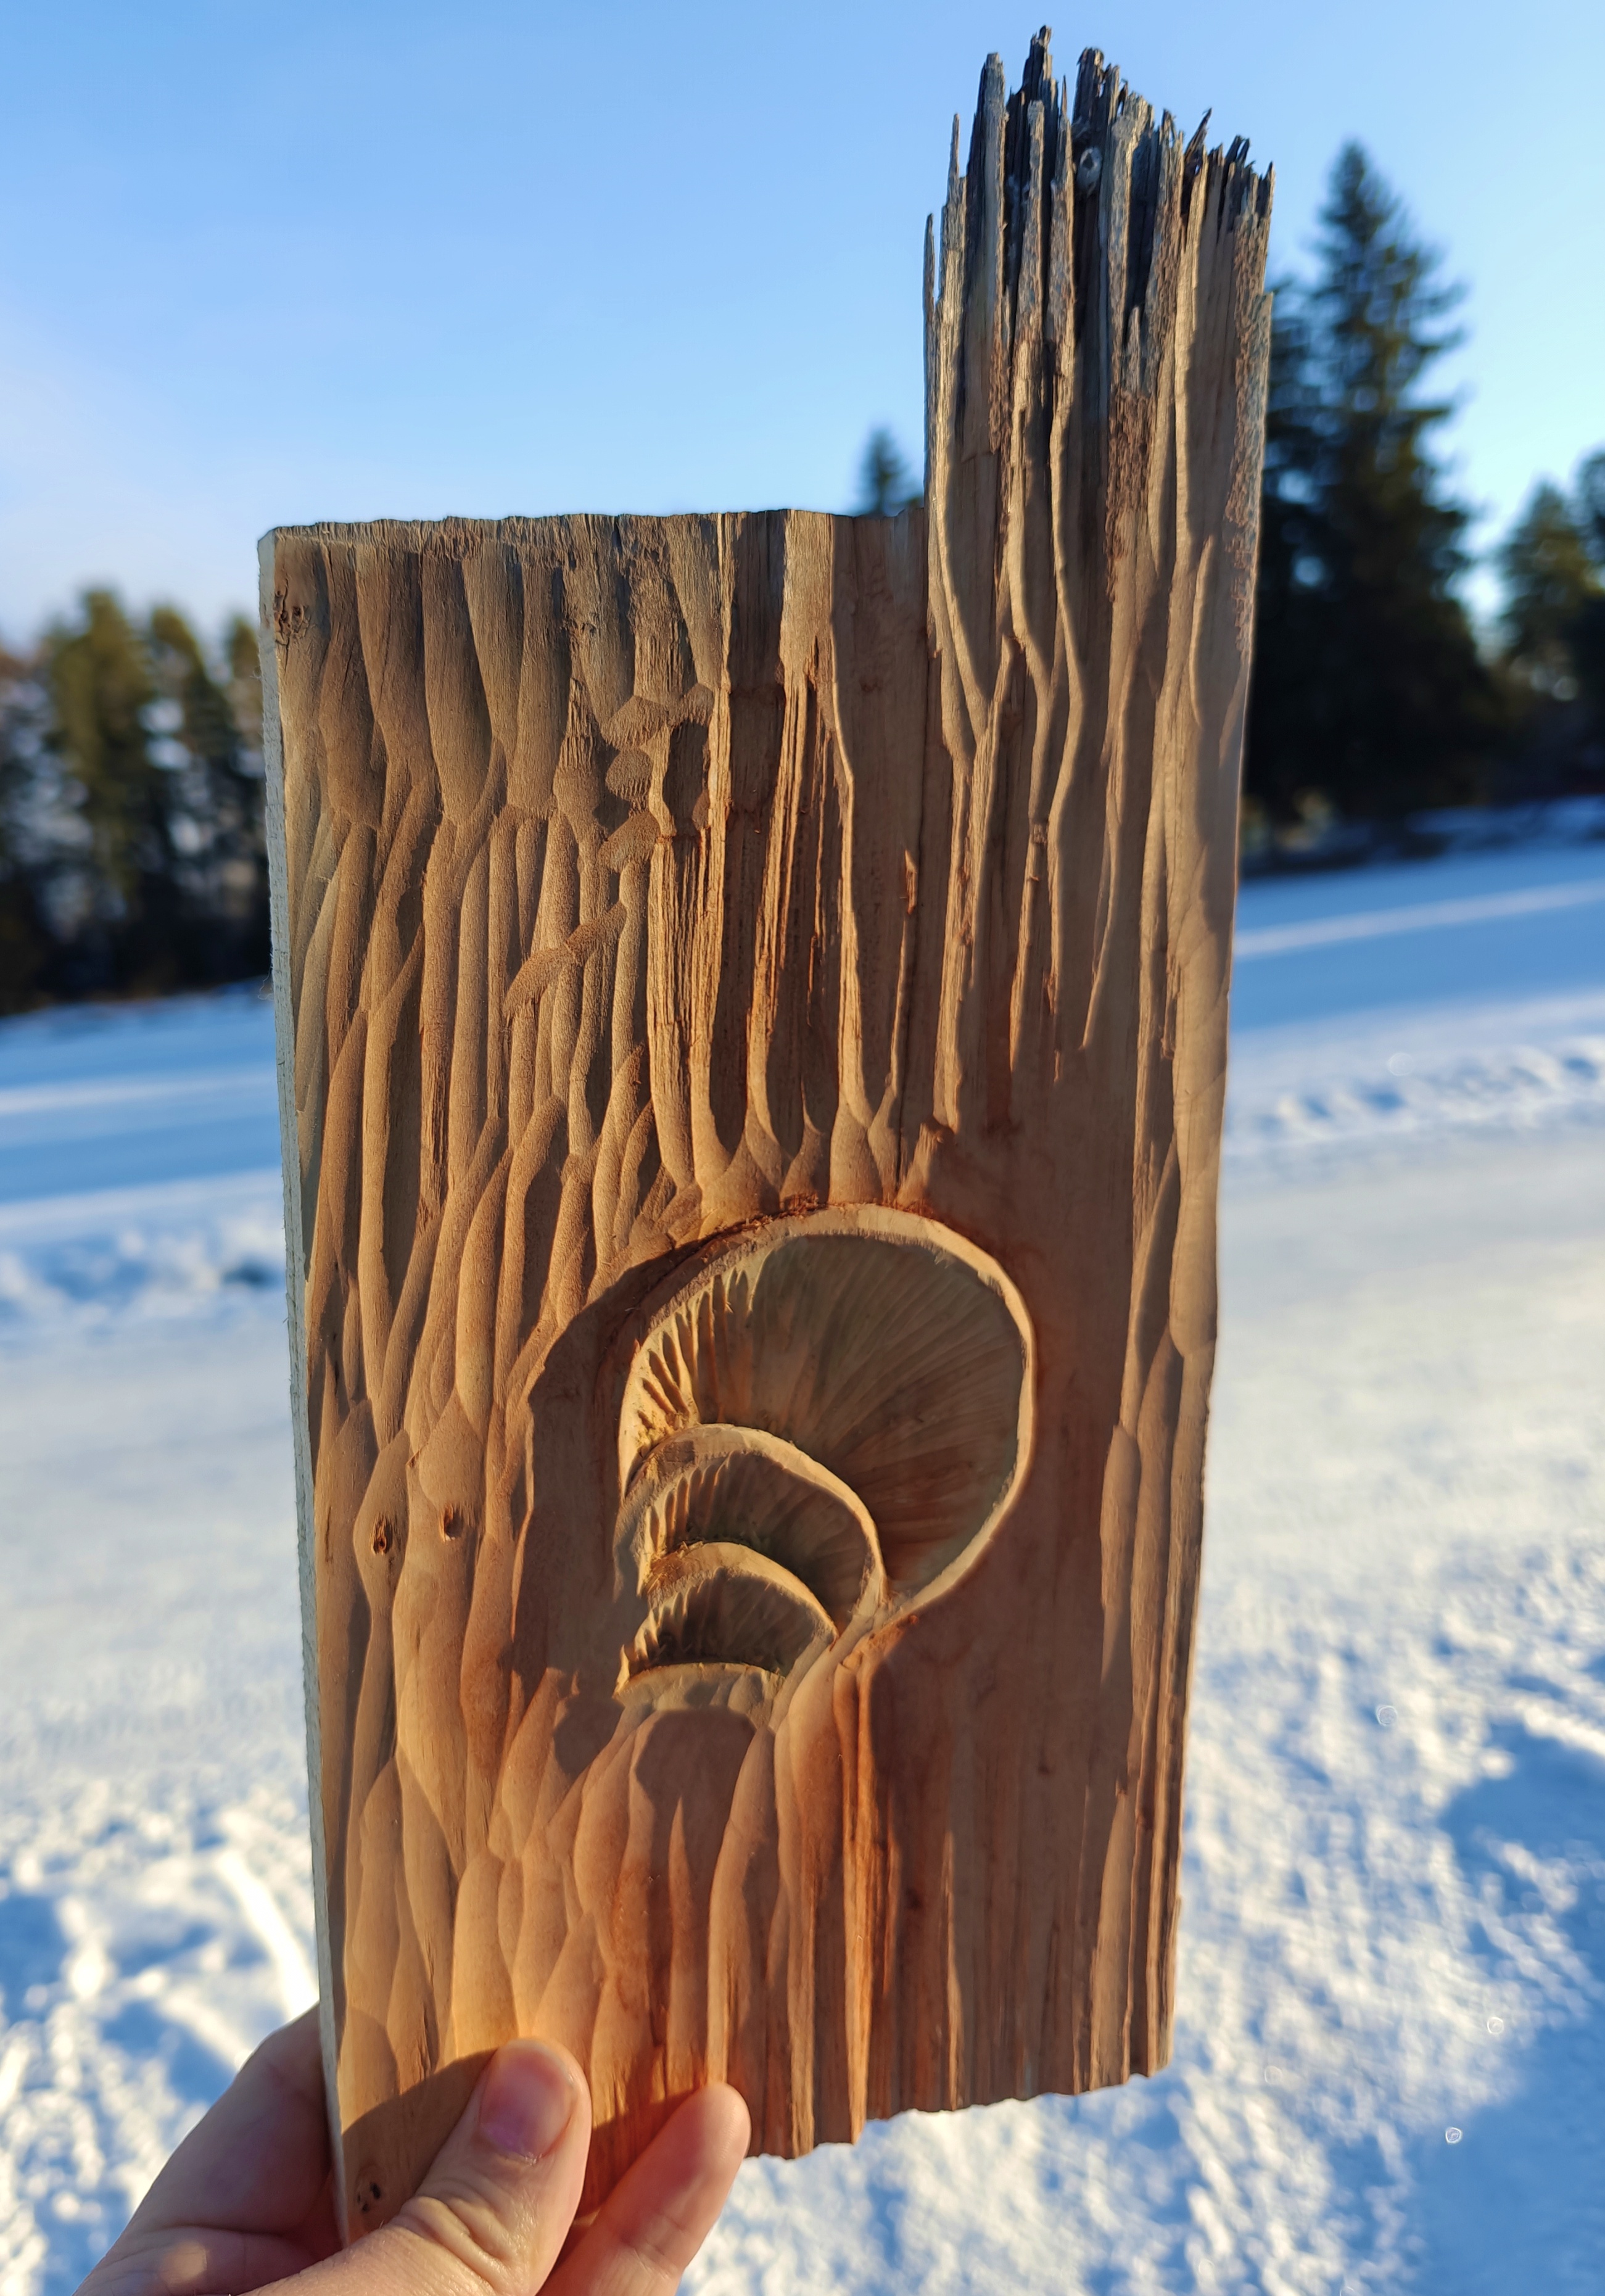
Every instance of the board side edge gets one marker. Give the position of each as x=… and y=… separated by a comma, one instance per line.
x=295, y=1288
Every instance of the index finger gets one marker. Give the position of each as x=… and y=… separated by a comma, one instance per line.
x=658, y=2215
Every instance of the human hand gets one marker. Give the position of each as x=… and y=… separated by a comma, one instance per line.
x=247, y=2201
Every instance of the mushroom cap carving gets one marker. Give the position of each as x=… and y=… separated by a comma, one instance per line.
x=742, y=1486
x=723, y=1603
x=844, y=1396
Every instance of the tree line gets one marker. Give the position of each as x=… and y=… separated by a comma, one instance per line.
x=133, y=853
x=131, y=850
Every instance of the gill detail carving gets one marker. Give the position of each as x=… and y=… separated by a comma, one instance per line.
x=822, y=1420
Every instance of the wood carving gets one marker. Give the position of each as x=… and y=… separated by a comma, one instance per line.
x=753, y=1024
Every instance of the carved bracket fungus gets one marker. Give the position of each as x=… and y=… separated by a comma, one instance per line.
x=824, y=1419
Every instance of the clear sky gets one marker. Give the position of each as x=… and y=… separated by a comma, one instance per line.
x=370, y=257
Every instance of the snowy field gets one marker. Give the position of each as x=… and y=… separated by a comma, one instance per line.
x=1390, y=2067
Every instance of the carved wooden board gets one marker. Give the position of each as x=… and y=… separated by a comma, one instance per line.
x=752, y=1003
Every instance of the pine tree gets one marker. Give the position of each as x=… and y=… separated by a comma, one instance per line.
x=159, y=874
x=1589, y=496
x=103, y=693
x=1588, y=628
x=219, y=828
x=28, y=945
x=884, y=483
x=1550, y=577
x=1553, y=565
x=1287, y=709
x=1368, y=690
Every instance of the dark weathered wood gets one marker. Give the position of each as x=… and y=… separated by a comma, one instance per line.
x=753, y=991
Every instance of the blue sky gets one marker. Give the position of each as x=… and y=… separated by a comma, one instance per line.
x=259, y=266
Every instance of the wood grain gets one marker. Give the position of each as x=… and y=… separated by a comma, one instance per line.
x=753, y=1000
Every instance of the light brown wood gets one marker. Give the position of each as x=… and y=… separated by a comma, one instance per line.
x=753, y=993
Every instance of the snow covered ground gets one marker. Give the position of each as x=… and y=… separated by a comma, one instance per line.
x=1389, y=2069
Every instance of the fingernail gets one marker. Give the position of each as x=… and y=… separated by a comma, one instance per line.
x=528, y=2100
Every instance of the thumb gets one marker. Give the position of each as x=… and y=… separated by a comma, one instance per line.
x=492, y=2214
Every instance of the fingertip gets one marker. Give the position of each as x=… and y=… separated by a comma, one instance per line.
x=527, y=2098
x=726, y=2125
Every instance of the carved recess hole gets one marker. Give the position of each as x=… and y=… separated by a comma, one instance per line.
x=823, y=1416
